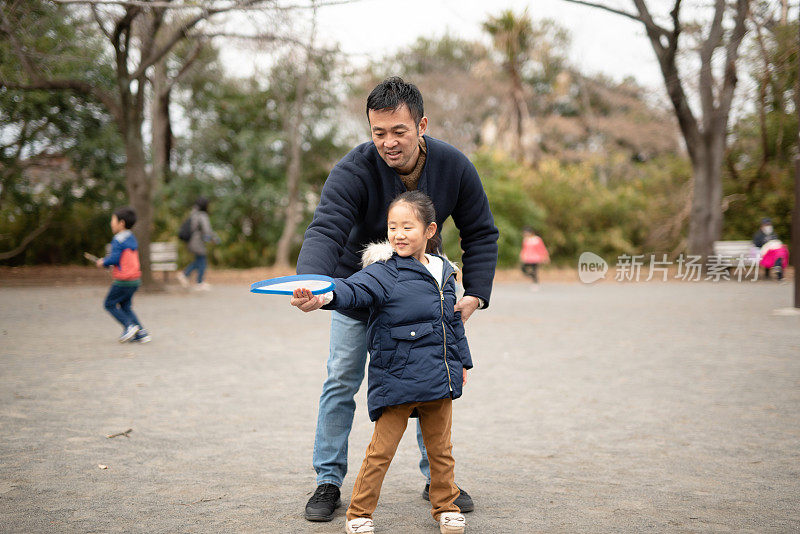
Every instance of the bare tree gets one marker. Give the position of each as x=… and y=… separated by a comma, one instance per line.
x=293, y=125
x=161, y=125
x=141, y=34
x=513, y=37
x=705, y=134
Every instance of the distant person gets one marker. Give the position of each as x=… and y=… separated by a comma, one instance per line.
x=773, y=253
x=352, y=214
x=124, y=258
x=419, y=355
x=532, y=254
x=200, y=233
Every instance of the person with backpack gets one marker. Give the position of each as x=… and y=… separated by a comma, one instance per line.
x=196, y=231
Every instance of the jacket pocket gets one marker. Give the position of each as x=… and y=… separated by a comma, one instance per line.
x=404, y=337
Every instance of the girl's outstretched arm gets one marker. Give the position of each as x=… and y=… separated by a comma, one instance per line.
x=368, y=287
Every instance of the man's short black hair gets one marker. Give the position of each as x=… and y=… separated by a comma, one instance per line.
x=392, y=93
x=126, y=215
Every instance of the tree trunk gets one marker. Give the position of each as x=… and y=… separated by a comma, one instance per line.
x=519, y=112
x=140, y=194
x=292, y=214
x=698, y=240
x=161, y=126
x=795, y=252
x=705, y=224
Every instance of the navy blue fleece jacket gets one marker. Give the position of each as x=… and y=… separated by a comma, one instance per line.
x=355, y=200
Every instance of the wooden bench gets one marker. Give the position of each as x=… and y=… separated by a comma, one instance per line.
x=164, y=257
x=735, y=251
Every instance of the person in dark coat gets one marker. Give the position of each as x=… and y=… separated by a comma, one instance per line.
x=418, y=354
x=351, y=214
x=201, y=233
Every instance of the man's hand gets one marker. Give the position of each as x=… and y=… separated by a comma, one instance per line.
x=466, y=306
x=465, y=377
x=305, y=300
x=99, y=262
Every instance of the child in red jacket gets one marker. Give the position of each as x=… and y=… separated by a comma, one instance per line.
x=124, y=258
x=532, y=254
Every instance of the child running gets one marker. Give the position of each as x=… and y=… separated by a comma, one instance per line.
x=533, y=253
x=418, y=355
x=124, y=258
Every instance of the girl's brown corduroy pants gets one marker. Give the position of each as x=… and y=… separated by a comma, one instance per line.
x=435, y=418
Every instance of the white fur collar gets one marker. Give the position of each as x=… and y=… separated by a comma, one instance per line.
x=382, y=251
x=375, y=252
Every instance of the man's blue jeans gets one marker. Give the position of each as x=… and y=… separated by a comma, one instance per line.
x=346, y=363
x=199, y=264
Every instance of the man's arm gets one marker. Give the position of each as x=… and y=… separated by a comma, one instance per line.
x=473, y=218
x=336, y=214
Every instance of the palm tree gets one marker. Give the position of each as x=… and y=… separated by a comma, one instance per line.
x=513, y=37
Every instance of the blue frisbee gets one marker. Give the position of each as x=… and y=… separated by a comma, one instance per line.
x=285, y=285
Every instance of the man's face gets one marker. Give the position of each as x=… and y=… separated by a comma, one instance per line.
x=397, y=137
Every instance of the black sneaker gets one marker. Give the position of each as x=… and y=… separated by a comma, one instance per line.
x=779, y=269
x=463, y=501
x=321, y=505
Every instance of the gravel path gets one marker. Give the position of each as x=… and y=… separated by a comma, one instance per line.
x=663, y=407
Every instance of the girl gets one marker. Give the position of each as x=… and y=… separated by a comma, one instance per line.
x=532, y=254
x=418, y=354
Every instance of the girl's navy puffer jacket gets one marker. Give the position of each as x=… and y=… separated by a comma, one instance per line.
x=417, y=344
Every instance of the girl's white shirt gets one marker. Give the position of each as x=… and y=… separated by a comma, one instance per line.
x=435, y=266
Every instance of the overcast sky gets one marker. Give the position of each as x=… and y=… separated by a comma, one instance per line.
x=372, y=29
x=601, y=42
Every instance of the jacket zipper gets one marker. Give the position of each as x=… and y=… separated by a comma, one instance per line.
x=444, y=330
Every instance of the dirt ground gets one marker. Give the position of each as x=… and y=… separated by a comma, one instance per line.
x=661, y=407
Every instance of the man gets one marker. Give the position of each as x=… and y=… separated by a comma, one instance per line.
x=351, y=214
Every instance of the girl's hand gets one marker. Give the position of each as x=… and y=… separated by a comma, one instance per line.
x=305, y=300
x=465, y=378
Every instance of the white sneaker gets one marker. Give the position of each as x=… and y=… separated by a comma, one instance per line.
x=129, y=333
x=142, y=336
x=452, y=523
x=359, y=525
x=203, y=286
x=182, y=280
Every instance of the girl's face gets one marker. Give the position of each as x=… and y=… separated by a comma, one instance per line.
x=407, y=234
